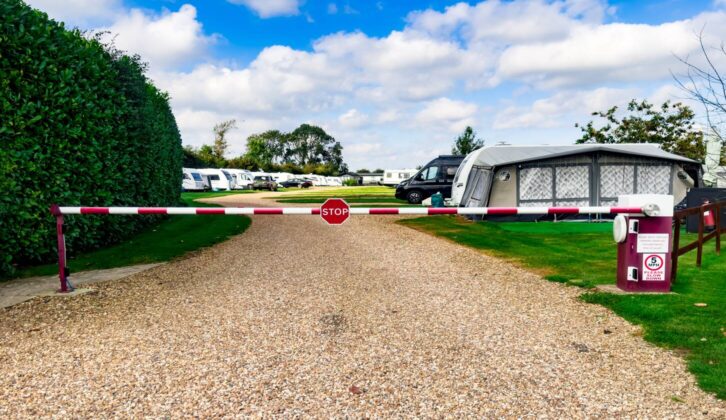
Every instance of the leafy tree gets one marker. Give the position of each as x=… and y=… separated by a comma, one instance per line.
x=308, y=149
x=220, y=141
x=243, y=162
x=379, y=170
x=467, y=142
x=671, y=126
x=191, y=158
x=364, y=170
x=266, y=148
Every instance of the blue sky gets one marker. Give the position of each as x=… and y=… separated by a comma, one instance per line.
x=395, y=81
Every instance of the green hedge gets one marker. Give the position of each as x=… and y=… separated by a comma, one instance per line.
x=79, y=125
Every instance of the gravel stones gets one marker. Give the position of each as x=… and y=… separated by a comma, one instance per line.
x=368, y=319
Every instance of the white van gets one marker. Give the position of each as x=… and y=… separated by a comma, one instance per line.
x=219, y=178
x=242, y=178
x=393, y=177
x=192, y=180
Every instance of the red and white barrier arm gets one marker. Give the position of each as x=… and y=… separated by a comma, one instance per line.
x=499, y=211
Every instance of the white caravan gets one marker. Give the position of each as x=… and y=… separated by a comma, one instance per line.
x=334, y=181
x=317, y=180
x=393, y=177
x=219, y=178
x=282, y=176
x=192, y=180
x=242, y=178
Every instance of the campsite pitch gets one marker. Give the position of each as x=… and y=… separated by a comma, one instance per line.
x=368, y=319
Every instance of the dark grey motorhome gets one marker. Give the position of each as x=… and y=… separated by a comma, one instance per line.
x=436, y=176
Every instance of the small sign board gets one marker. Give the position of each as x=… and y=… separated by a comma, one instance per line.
x=653, y=243
x=654, y=267
x=335, y=211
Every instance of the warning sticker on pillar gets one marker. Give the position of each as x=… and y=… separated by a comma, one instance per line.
x=654, y=267
x=653, y=242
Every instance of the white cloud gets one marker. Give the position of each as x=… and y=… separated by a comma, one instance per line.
x=353, y=118
x=612, y=52
x=562, y=109
x=409, y=84
x=271, y=8
x=509, y=22
x=363, y=148
x=80, y=12
x=453, y=114
x=165, y=40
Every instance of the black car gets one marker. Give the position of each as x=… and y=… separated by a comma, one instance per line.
x=436, y=176
x=296, y=182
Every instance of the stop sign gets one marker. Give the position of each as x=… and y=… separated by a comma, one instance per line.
x=335, y=211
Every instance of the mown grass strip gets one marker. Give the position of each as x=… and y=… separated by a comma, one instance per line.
x=171, y=238
x=584, y=254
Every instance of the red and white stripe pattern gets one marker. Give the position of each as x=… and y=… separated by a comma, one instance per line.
x=499, y=211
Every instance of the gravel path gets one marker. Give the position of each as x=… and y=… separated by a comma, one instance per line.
x=369, y=319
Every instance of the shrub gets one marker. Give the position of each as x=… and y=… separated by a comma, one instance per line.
x=80, y=125
x=350, y=182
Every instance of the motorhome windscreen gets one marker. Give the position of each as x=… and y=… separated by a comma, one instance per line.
x=196, y=176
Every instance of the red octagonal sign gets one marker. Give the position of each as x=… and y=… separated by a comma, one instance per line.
x=335, y=211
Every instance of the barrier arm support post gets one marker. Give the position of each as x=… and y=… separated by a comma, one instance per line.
x=63, y=271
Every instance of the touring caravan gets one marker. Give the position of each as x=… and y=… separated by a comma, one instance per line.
x=569, y=176
x=282, y=176
x=219, y=178
x=192, y=180
x=242, y=178
x=393, y=177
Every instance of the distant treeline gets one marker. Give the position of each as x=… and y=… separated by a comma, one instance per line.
x=307, y=149
x=80, y=124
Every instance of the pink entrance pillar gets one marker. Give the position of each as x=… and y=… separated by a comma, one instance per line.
x=644, y=243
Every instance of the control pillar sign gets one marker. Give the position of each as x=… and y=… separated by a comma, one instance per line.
x=644, y=244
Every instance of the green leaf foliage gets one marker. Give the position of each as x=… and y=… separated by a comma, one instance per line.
x=671, y=126
x=467, y=142
x=79, y=125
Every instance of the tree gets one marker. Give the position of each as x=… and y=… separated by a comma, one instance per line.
x=266, y=148
x=707, y=85
x=310, y=144
x=671, y=126
x=220, y=141
x=364, y=170
x=466, y=142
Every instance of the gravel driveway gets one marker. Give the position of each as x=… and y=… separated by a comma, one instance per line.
x=369, y=319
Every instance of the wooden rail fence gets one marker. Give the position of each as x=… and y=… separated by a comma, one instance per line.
x=715, y=209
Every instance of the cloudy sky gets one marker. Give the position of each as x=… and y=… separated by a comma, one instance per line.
x=395, y=81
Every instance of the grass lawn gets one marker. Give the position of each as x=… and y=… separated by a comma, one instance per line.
x=584, y=254
x=188, y=197
x=354, y=195
x=344, y=192
x=171, y=238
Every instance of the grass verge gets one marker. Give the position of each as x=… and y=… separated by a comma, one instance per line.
x=583, y=254
x=169, y=239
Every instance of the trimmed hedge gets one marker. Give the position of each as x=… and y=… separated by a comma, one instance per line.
x=79, y=125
